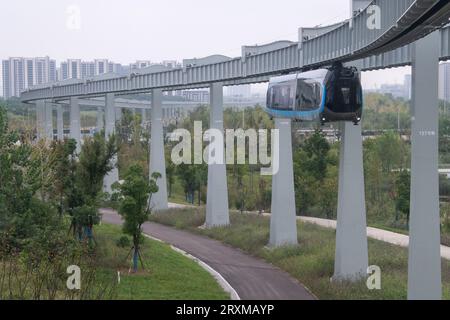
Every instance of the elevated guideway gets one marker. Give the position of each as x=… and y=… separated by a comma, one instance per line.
x=401, y=22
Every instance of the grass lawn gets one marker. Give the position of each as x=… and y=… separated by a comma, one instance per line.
x=312, y=262
x=170, y=276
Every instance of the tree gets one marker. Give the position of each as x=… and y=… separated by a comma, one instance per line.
x=403, y=184
x=135, y=195
x=311, y=162
x=316, y=148
x=61, y=157
x=94, y=162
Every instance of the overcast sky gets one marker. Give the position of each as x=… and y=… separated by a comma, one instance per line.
x=127, y=30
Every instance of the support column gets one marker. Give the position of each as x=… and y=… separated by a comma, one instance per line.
x=351, y=258
x=40, y=119
x=100, y=119
x=144, y=117
x=118, y=113
x=424, y=265
x=159, y=200
x=217, y=212
x=60, y=122
x=283, y=221
x=75, y=126
x=110, y=127
x=49, y=121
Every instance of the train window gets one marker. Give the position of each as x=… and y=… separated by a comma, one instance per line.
x=281, y=97
x=309, y=95
x=359, y=94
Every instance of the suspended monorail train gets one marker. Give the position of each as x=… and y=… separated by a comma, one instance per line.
x=324, y=95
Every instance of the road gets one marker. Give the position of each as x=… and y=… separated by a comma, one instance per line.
x=251, y=278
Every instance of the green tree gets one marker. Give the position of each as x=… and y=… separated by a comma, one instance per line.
x=403, y=185
x=95, y=161
x=316, y=148
x=135, y=195
x=62, y=153
x=311, y=163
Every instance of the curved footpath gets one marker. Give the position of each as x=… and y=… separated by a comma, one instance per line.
x=251, y=278
x=375, y=233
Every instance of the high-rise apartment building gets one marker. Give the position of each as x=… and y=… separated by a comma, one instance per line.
x=20, y=73
x=78, y=69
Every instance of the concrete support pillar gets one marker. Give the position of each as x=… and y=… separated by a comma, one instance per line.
x=159, y=200
x=49, y=121
x=40, y=119
x=118, y=113
x=144, y=116
x=424, y=266
x=351, y=259
x=110, y=127
x=217, y=212
x=60, y=122
x=75, y=125
x=283, y=221
x=100, y=119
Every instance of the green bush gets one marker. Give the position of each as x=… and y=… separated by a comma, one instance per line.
x=123, y=242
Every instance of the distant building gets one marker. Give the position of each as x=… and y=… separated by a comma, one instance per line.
x=396, y=90
x=139, y=64
x=88, y=69
x=171, y=64
x=20, y=73
x=243, y=91
x=200, y=96
x=78, y=69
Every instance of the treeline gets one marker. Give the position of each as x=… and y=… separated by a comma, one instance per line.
x=49, y=201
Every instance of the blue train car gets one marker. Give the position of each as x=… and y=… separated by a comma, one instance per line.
x=323, y=95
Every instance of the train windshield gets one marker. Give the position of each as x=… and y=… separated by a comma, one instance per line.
x=344, y=92
x=281, y=96
x=309, y=95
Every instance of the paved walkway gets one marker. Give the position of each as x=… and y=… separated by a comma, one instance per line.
x=374, y=233
x=378, y=234
x=251, y=278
